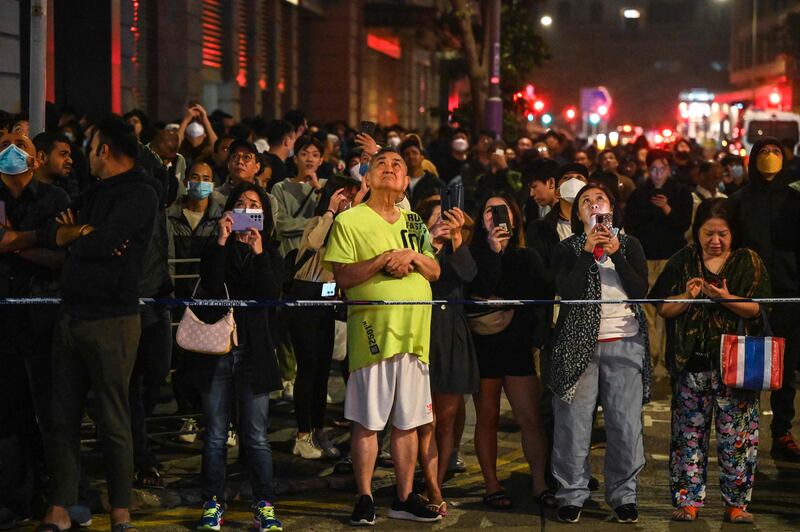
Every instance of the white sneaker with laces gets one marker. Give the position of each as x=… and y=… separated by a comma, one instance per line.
x=305, y=447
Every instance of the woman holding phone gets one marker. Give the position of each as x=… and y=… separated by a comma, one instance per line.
x=504, y=340
x=599, y=355
x=242, y=265
x=712, y=267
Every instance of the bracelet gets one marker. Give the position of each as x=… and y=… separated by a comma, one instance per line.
x=332, y=212
x=80, y=231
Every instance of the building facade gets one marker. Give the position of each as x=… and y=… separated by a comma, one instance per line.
x=345, y=60
x=645, y=52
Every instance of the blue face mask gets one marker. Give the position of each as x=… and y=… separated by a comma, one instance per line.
x=200, y=189
x=13, y=160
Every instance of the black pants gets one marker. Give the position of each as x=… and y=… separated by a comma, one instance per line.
x=785, y=322
x=97, y=355
x=312, y=334
x=149, y=372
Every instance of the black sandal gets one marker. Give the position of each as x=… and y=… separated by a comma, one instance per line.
x=492, y=500
x=149, y=478
x=546, y=499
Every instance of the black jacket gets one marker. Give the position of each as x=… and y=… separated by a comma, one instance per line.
x=96, y=283
x=428, y=185
x=246, y=277
x=661, y=235
x=766, y=218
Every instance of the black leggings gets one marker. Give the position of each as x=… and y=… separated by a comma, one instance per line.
x=312, y=334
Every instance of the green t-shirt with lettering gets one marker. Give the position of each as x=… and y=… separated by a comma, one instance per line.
x=379, y=332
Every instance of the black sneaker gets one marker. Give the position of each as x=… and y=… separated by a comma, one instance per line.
x=413, y=509
x=627, y=513
x=364, y=512
x=569, y=514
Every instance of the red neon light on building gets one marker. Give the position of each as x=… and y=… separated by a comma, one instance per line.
x=387, y=45
x=211, y=24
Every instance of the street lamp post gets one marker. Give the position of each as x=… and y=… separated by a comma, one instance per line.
x=494, y=103
x=38, y=66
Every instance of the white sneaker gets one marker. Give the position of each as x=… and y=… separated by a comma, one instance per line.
x=288, y=391
x=232, y=438
x=304, y=446
x=188, y=430
x=328, y=449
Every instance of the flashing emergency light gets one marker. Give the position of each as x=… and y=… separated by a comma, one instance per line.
x=666, y=132
x=546, y=119
x=658, y=138
x=538, y=105
x=775, y=98
x=570, y=113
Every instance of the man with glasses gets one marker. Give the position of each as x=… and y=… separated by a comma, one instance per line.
x=243, y=165
x=658, y=213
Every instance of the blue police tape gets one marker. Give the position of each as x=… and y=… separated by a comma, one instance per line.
x=173, y=302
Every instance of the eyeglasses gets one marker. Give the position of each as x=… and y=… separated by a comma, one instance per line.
x=246, y=157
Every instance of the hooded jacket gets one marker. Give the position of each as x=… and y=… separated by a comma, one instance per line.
x=96, y=282
x=766, y=218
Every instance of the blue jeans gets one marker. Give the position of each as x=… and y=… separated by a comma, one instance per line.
x=228, y=382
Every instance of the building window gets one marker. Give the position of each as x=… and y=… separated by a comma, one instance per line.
x=242, y=42
x=211, y=21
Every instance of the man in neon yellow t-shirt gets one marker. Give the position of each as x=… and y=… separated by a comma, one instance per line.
x=380, y=252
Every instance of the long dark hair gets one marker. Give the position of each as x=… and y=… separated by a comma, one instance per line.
x=575, y=219
x=518, y=238
x=713, y=208
x=236, y=193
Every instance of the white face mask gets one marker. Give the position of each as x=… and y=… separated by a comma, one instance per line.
x=569, y=189
x=262, y=145
x=195, y=130
x=460, y=145
x=394, y=142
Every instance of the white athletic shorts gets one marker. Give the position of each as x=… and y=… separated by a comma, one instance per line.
x=399, y=387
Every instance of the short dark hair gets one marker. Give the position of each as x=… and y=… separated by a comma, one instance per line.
x=575, y=220
x=47, y=141
x=411, y=141
x=487, y=133
x=540, y=170
x=118, y=136
x=713, y=208
x=305, y=141
x=295, y=117
x=277, y=131
x=654, y=155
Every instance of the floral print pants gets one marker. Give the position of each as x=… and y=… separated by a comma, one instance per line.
x=695, y=398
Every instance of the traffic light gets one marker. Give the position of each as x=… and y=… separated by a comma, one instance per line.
x=602, y=110
x=538, y=106
x=570, y=113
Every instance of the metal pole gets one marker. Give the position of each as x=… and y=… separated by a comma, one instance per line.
x=38, y=70
x=494, y=104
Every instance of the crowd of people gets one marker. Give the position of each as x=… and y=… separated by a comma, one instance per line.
x=104, y=212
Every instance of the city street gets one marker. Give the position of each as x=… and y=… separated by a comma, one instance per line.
x=313, y=498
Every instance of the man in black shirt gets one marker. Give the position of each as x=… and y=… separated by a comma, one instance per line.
x=25, y=270
x=280, y=136
x=106, y=234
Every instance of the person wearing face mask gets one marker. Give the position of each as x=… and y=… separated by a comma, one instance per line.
x=658, y=213
x=682, y=156
x=196, y=135
x=28, y=205
x=766, y=213
x=600, y=354
x=240, y=265
x=715, y=268
x=735, y=175
x=453, y=163
x=191, y=224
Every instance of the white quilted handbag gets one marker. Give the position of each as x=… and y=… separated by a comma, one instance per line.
x=197, y=336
